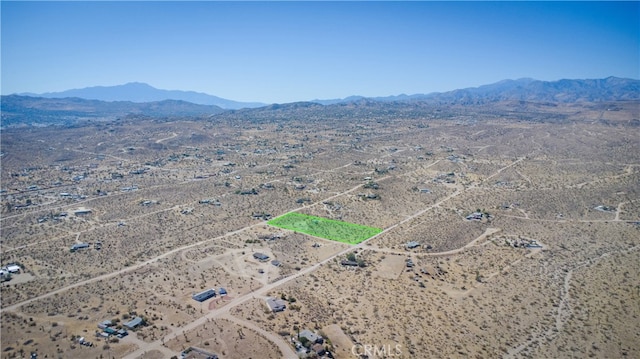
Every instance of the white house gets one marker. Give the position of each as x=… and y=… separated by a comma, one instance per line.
x=13, y=268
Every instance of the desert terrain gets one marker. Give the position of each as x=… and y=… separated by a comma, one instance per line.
x=526, y=226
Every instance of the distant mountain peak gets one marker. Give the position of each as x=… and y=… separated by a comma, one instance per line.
x=136, y=84
x=143, y=92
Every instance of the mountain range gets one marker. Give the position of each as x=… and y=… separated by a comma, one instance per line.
x=525, y=89
x=141, y=92
x=141, y=99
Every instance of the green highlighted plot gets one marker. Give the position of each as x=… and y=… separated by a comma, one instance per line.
x=344, y=232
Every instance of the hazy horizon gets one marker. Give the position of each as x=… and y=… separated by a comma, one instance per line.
x=295, y=51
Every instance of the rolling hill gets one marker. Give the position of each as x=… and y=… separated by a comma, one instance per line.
x=21, y=110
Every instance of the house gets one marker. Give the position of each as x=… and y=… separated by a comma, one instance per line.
x=312, y=337
x=13, y=268
x=270, y=237
x=78, y=246
x=82, y=211
x=475, y=216
x=533, y=244
x=202, y=296
x=424, y=190
x=197, y=353
x=412, y=245
x=276, y=305
x=135, y=322
x=261, y=215
x=261, y=257
x=222, y=292
x=318, y=349
x=276, y=263
x=105, y=324
x=267, y=186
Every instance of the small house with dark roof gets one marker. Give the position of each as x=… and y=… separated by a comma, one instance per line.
x=202, y=296
x=78, y=246
x=82, y=211
x=261, y=257
x=412, y=245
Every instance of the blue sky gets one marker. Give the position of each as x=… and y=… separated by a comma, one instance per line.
x=294, y=51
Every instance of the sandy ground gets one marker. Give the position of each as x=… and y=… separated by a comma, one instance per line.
x=468, y=293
